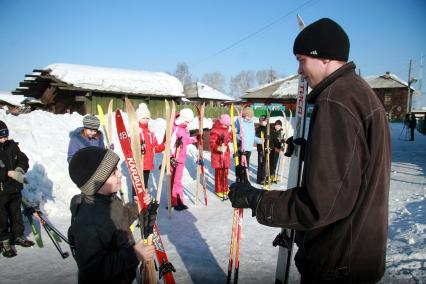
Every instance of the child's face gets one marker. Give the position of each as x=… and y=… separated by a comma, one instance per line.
x=112, y=184
x=90, y=133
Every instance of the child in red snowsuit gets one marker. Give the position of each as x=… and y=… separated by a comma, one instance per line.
x=221, y=155
x=179, y=140
x=149, y=142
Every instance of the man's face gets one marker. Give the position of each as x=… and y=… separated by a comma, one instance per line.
x=3, y=139
x=312, y=69
x=90, y=133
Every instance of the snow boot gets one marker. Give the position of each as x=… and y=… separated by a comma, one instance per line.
x=222, y=195
x=180, y=205
x=7, y=250
x=23, y=242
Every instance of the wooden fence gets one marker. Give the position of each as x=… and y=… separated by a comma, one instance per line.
x=156, y=106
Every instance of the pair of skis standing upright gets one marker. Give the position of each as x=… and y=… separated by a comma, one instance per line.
x=285, y=239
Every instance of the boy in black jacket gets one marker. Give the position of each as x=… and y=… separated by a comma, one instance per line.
x=13, y=166
x=101, y=241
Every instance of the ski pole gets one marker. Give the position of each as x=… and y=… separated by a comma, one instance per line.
x=64, y=254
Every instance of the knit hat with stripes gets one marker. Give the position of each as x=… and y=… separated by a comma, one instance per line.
x=91, y=122
x=90, y=167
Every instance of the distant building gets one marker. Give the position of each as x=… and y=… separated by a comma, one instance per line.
x=282, y=91
x=13, y=104
x=393, y=92
x=198, y=91
x=65, y=88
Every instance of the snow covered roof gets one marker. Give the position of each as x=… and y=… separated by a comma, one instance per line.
x=7, y=97
x=386, y=81
x=278, y=89
x=117, y=80
x=287, y=87
x=203, y=91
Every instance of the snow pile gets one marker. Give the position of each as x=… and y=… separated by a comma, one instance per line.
x=117, y=80
x=44, y=138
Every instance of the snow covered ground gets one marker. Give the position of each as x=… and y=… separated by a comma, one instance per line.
x=197, y=240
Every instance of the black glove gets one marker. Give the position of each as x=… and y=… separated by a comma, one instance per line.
x=300, y=142
x=173, y=162
x=245, y=196
x=149, y=217
x=290, y=147
x=28, y=210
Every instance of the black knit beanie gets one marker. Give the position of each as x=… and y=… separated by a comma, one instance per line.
x=323, y=39
x=4, y=131
x=90, y=167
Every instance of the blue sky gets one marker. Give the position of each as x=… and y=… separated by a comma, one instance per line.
x=156, y=35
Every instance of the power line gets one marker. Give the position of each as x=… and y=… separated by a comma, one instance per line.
x=258, y=31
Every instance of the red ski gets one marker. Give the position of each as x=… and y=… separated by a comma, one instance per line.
x=165, y=267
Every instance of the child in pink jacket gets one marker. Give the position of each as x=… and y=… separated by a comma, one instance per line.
x=179, y=140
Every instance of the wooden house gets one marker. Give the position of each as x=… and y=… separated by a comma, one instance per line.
x=65, y=88
x=13, y=104
x=282, y=91
x=393, y=92
x=198, y=91
x=216, y=102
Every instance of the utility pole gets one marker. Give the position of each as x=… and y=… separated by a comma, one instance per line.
x=409, y=94
x=420, y=81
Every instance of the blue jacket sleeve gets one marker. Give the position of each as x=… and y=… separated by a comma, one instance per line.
x=73, y=147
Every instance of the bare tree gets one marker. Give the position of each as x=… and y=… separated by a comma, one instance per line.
x=215, y=80
x=182, y=73
x=241, y=82
x=266, y=76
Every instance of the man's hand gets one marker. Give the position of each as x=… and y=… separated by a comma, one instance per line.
x=18, y=174
x=245, y=196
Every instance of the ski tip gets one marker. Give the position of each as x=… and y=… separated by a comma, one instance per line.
x=300, y=21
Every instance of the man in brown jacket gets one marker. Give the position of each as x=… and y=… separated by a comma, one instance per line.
x=340, y=212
